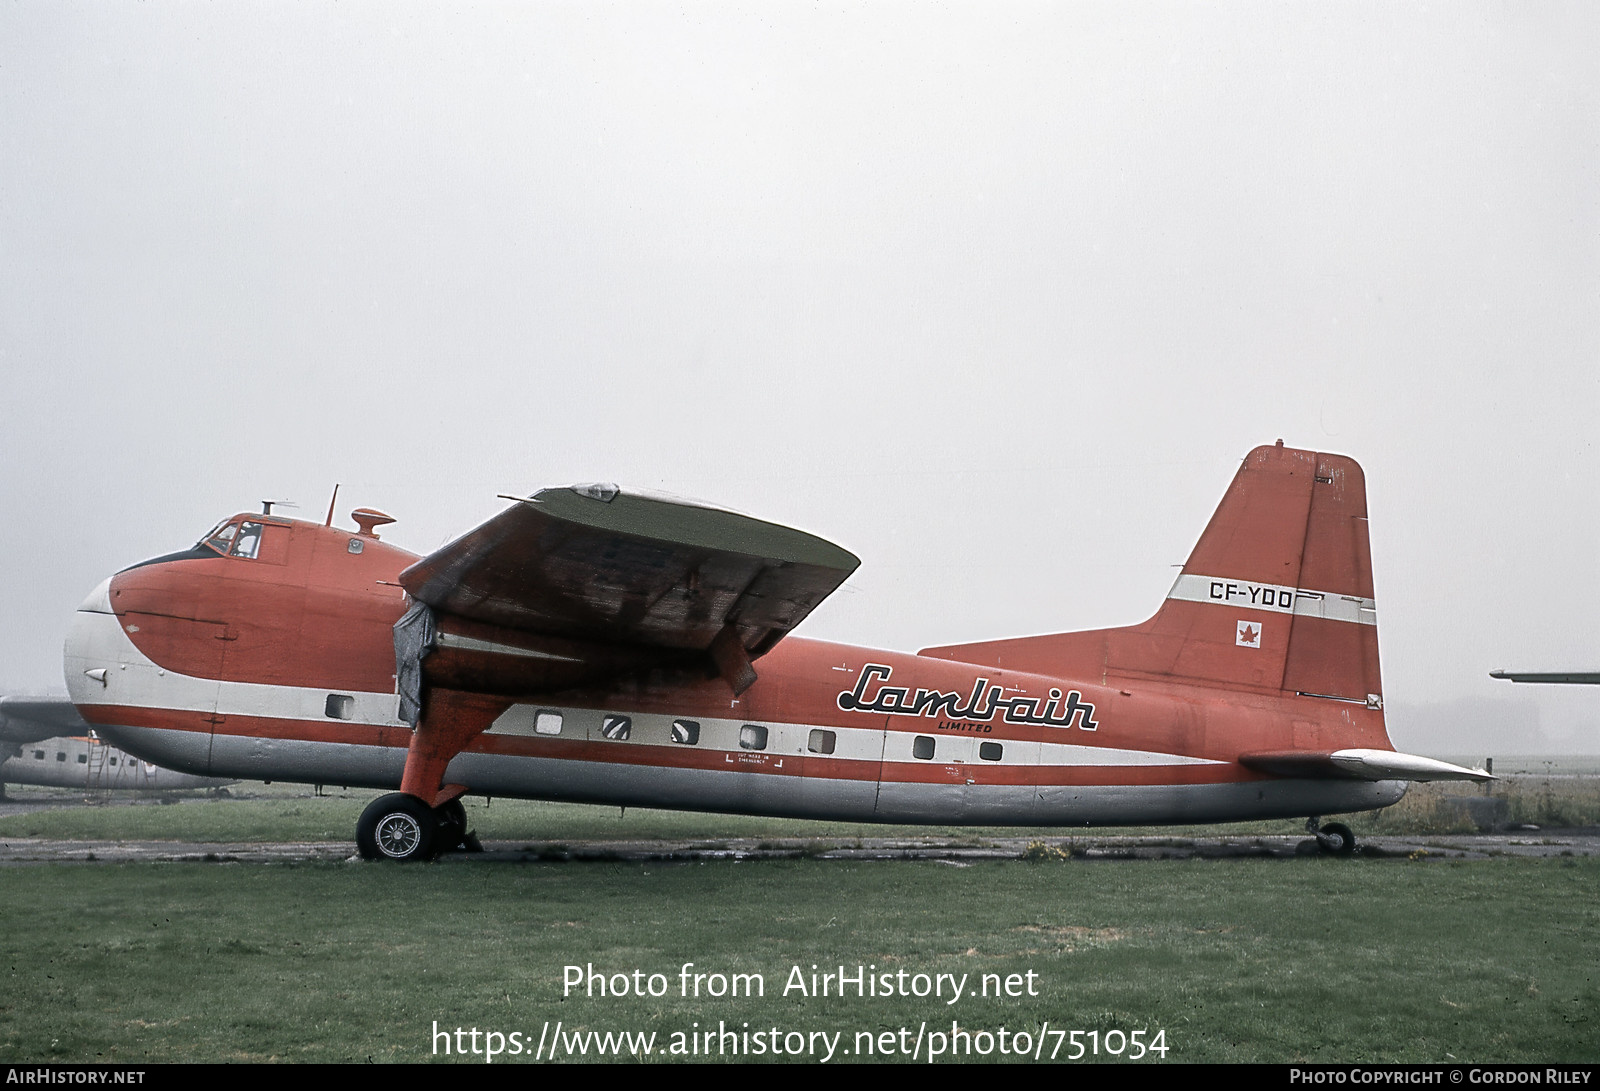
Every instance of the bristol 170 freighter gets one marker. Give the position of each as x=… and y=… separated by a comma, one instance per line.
x=594, y=644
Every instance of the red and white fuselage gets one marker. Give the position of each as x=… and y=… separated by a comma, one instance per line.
x=267, y=652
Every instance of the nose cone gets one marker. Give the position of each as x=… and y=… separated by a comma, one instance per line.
x=88, y=658
x=98, y=601
x=137, y=704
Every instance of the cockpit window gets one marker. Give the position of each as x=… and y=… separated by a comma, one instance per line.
x=240, y=539
x=247, y=543
x=221, y=537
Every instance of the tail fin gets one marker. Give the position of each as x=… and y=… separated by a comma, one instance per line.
x=1277, y=595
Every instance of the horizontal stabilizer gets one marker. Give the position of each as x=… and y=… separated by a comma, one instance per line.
x=1358, y=765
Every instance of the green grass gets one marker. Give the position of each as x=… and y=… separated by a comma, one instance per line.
x=1546, y=802
x=1239, y=960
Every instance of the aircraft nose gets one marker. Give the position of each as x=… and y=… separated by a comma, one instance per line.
x=88, y=657
x=98, y=600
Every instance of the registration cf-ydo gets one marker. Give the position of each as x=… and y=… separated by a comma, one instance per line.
x=597, y=645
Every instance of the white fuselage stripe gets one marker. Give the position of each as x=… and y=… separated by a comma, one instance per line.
x=1274, y=598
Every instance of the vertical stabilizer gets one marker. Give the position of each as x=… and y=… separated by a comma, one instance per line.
x=1276, y=596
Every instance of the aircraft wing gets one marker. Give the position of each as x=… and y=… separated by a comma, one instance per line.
x=1571, y=678
x=28, y=719
x=595, y=567
x=1358, y=765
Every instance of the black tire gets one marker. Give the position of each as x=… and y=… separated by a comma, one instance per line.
x=397, y=827
x=1336, y=839
x=452, y=819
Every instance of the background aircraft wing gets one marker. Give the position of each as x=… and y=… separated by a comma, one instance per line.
x=28, y=719
x=1571, y=678
x=1358, y=765
x=598, y=565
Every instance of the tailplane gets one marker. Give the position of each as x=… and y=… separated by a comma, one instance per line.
x=1276, y=596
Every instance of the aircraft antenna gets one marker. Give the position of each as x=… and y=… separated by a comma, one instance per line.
x=331, y=501
x=266, y=505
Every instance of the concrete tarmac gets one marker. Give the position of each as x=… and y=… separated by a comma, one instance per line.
x=1079, y=847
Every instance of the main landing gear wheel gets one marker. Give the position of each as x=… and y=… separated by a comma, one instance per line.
x=398, y=827
x=1336, y=839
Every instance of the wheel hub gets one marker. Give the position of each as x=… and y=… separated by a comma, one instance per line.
x=399, y=835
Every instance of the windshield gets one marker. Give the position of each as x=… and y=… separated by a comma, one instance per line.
x=235, y=538
x=220, y=537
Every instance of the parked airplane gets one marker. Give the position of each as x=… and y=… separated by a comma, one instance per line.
x=597, y=645
x=86, y=763
x=44, y=741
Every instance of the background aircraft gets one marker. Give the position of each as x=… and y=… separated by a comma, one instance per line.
x=44, y=741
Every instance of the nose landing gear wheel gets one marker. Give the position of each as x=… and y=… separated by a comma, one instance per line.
x=397, y=827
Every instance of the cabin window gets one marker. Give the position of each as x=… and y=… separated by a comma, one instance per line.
x=61, y=756
x=38, y=755
x=752, y=737
x=113, y=761
x=821, y=742
x=922, y=748
x=990, y=751
x=616, y=727
x=686, y=732
x=83, y=759
x=340, y=706
x=547, y=722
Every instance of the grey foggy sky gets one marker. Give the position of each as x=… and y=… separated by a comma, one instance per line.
x=994, y=296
